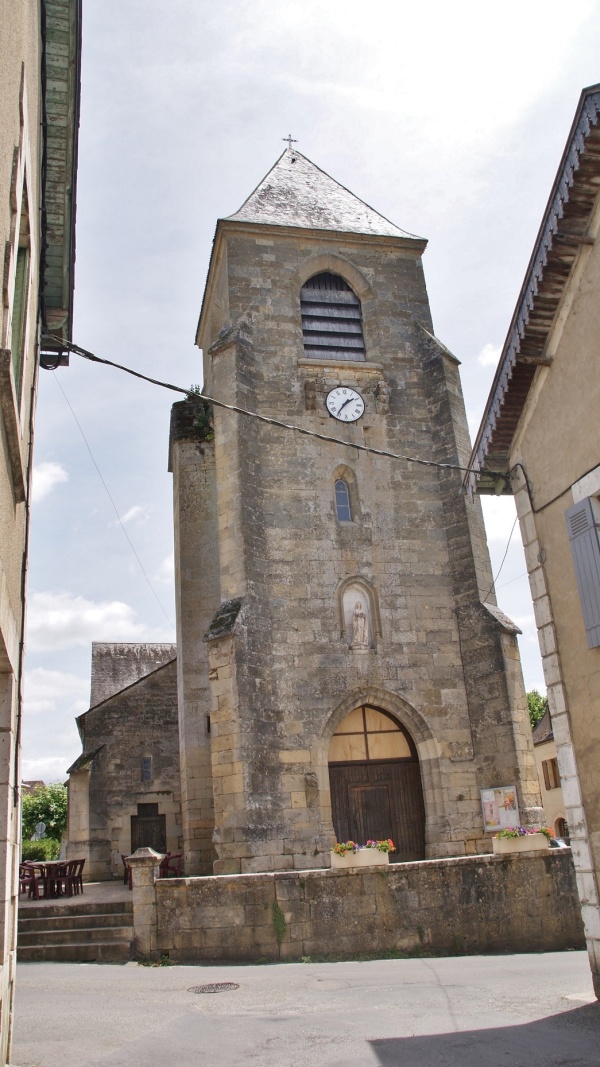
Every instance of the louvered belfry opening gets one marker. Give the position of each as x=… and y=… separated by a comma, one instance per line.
x=331, y=319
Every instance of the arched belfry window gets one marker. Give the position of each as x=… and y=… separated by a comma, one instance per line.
x=342, y=501
x=331, y=319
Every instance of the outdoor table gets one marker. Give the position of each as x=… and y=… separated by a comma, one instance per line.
x=49, y=871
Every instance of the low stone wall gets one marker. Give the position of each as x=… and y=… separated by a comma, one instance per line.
x=475, y=904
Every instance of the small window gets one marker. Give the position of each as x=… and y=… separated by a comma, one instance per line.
x=369, y=734
x=342, y=501
x=561, y=830
x=331, y=319
x=147, y=811
x=551, y=773
x=146, y=768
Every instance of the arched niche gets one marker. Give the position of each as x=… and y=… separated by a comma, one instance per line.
x=358, y=611
x=426, y=746
x=359, y=284
x=331, y=319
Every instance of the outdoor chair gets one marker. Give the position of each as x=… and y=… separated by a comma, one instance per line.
x=59, y=881
x=127, y=872
x=29, y=881
x=75, y=873
x=170, y=867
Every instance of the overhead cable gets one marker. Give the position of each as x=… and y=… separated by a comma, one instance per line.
x=265, y=418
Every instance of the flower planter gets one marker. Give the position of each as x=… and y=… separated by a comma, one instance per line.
x=527, y=843
x=365, y=857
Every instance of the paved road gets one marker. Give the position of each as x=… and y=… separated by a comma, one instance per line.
x=478, y=1011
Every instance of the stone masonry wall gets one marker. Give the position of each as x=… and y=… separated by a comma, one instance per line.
x=139, y=722
x=515, y=903
x=197, y=597
x=437, y=660
x=116, y=665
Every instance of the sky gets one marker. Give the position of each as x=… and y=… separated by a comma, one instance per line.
x=449, y=119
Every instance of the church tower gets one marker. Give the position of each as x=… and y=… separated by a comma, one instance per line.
x=343, y=669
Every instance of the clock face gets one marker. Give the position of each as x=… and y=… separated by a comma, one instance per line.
x=345, y=404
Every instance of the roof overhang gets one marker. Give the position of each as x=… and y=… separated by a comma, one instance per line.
x=61, y=79
x=564, y=230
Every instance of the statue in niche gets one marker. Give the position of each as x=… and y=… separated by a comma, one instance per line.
x=360, y=627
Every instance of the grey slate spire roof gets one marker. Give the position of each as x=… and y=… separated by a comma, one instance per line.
x=295, y=192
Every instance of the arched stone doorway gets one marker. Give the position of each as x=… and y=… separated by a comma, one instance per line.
x=375, y=783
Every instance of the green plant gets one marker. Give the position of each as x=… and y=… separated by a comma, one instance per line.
x=279, y=922
x=203, y=421
x=148, y=961
x=458, y=947
x=421, y=933
x=538, y=706
x=47, y=804
x=44, y=850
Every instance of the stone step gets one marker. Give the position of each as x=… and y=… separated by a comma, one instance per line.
x=40, y=911
x=77, y=952
x=70, y=920
x=70, y=935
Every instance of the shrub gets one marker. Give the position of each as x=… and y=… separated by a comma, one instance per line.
x=43, y=850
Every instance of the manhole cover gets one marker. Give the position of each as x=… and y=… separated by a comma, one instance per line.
x=213, y=987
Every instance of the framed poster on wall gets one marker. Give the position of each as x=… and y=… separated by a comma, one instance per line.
x=500, y=808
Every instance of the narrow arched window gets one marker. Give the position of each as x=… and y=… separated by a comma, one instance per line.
x=331, y=319
x=342, y=501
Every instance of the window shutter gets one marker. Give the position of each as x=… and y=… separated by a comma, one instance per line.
x=546, y=775
x=585, y=546
x=331, y=319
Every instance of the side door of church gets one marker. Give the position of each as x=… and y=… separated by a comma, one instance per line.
x=148, y=829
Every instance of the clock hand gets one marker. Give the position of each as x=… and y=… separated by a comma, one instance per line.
x=348, y=401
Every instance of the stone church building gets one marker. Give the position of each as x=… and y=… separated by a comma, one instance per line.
x=342, y=669
x=124, y=789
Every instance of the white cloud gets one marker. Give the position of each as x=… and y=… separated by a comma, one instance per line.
x=466, y=48
x=166, y=571
x=45, y=477
x=489, y=355
x=47, y=769
x=45, y=691
x=499, y=514
x=136, y=512
x=52, y=701
x=526, y=623
x=62, y=620
x=473, y=423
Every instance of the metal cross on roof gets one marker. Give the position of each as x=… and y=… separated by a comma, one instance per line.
x=290, y=140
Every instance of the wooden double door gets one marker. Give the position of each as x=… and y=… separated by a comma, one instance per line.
x=377, y=799
x=148, y=829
